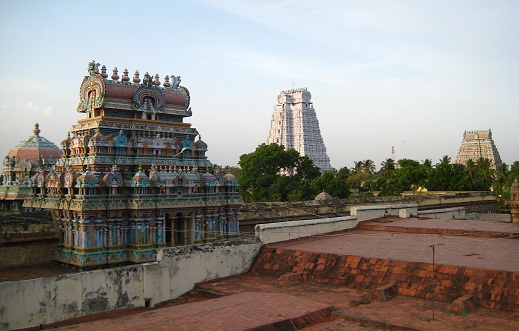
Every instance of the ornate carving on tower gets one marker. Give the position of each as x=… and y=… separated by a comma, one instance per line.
x=294, y=125
x=148, y=95
x=92, y=90
x=129, y=170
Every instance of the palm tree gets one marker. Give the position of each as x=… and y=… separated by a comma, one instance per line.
x=387, y=167
x=358, y=165
x=427, y=163
x=471, y=169
x=369, y=166
x=445, y=160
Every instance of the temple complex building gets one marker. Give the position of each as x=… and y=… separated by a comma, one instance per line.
x=134, y=177
x=476, y=145
x=23, y=162
x=294, y=125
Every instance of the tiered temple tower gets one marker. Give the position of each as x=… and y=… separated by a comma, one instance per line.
x=294, y=125
x=476, y=145
x=133, y=177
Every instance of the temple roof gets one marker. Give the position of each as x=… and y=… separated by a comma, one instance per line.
x=35, y=148
x=99, y=91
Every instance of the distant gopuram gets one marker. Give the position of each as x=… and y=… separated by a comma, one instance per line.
x=294, y=125
x=133, y=176
x=476, y=145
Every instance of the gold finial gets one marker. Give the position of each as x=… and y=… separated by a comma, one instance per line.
x=36, y=129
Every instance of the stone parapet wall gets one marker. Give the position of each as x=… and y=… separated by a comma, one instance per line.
x=51, y=299
x=491, y=288
x=480, y=202
x=274, y=232
x=445, y=213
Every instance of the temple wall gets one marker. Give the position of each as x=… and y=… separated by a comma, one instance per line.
x=274, y=232
x=457, y=213
x=474, y=202
x=51, y=299
x=26, y=238
x=27, y=253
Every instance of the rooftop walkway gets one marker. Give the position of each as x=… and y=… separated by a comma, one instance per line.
x=293, y=285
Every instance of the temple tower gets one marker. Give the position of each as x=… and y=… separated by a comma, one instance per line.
x=133, y=176
x=294, y=125
x=476, y=145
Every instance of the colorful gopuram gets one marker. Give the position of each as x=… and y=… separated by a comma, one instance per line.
x=133, y=177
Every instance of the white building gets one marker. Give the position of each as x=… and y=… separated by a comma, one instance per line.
x=294, y=125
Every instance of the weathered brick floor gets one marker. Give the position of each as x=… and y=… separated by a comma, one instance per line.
x=253, y=302
x=401, y=312
x=243, y=311
x=468, y=251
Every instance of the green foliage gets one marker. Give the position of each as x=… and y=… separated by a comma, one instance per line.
x=264, y=175
x=409, y=176
x=332, y=184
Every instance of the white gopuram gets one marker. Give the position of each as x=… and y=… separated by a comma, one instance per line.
x=294, y=125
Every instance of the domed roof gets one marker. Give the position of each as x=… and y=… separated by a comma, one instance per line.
x=140, y=179
x=323, y=196
x=229, y=179
x=87, y=179
x=35, y=148
x=200, y=144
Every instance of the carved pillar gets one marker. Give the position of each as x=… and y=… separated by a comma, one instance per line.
x=173, y=230
x=187, y=233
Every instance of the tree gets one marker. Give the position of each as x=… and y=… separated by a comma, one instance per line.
x=369, y=166
x=331, y=184
x=344, y=173
x=358, y=167
x=409, y=176
x=387, y=167
x=271, y=173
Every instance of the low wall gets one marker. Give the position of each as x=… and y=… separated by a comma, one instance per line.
x=274, y=232
x=363, y=213
x=41, y=301
x=457, y=213
x=262, y=212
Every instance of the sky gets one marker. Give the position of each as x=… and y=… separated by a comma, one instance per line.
x=410, y=74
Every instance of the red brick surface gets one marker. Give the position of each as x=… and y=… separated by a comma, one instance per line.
x=244, y=311
x=341, y=269
x=463, y=305
x=399, y=313
x=445, y=227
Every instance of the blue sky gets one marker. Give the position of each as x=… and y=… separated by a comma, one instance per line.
x=409, y=74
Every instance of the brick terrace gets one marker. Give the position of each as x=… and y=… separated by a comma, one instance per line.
x=340, y=270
